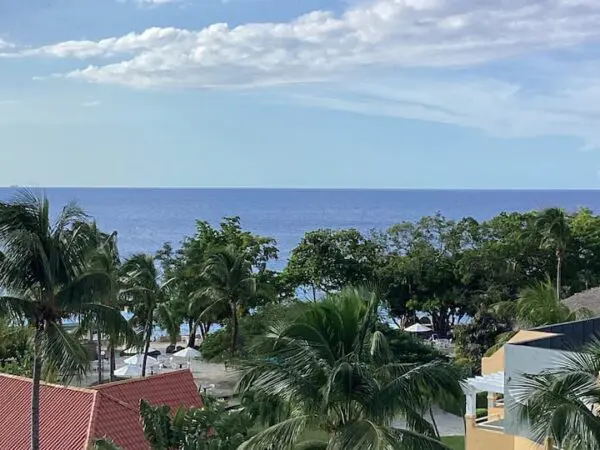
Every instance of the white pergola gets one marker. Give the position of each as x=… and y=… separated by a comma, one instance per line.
x=493, y=382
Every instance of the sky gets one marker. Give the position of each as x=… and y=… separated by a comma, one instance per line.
x=469, y=94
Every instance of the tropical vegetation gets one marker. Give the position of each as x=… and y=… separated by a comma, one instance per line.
x=322, y=358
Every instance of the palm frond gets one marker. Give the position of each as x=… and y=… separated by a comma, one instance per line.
x=282, y=436
x=63, y=353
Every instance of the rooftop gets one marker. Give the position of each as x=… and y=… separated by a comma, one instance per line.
x=566, y=336
x=70, y=418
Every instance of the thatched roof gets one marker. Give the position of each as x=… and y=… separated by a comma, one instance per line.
x=586, y=300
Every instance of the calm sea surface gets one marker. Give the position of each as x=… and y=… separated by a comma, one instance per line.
x=146, y=218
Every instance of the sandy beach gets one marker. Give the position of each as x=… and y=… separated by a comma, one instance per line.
x=205, y=374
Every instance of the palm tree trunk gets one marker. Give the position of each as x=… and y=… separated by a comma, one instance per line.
x=147, y=344
x=113, y=361
x=35, y=389
x=433, y=422
x=99, y=356
x=234, y=329
x=192, y=333
x=558, y=272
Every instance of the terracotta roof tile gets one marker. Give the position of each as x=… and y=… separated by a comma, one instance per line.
x=70, y=417
x=65, y=415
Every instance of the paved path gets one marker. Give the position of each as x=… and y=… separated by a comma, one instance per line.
x=448, y=424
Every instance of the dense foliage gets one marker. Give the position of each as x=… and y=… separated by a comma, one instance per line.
x=293, y=331
x=333, y=371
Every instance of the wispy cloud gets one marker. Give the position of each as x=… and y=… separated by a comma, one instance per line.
x=8, y=102
x=378, y=34
x=90, y=104
x=499, y=108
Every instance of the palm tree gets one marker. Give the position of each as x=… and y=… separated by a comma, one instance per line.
x=537, y=305
x=45, y=279
x=144, y=295
x=335, y=372
x=540, y=305
x=554, y=225
x=105, y=258
x=232, y=283
x=562, y=405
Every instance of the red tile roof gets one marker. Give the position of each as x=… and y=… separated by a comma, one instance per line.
x=70, y=417
x=117, y=400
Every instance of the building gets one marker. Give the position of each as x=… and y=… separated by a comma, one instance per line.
x=71, y=418
x=530, y=352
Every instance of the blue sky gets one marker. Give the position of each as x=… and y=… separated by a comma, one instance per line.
x=311, y=93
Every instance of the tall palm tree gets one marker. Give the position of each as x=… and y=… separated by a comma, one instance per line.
x=231, y=283
x=145, y=295
x=335, y=372
x=554, y=225
x=104, y=258
x=45, y=279
x=563, y=404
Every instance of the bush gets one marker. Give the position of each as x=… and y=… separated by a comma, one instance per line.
x=481, y=412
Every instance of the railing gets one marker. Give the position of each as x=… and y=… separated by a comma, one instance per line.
x=488, y=422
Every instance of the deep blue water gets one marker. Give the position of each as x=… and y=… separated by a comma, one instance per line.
x=146, y=218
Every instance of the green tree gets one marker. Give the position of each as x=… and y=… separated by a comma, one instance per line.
x=334, y=370
x=473, y=340
x=562, y=403
x=421, y=272
x=46, y=280
x=145, y=295
x=186, y=266
x=231, y=283
x=327, y=260
x=556, y=234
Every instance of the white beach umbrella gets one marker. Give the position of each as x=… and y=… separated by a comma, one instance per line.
x=417, y=328
x=129, y=371
x=188, y=353
x=137, y=360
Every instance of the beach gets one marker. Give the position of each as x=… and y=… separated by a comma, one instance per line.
x=205, y=373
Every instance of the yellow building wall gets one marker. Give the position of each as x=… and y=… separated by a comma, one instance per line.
x=483, y=439
x=522, y=443
x=477, y=438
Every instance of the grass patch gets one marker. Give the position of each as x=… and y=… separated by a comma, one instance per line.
x=454, y=442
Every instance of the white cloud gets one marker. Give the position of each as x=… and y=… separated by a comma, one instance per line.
x=8, y=102
x=380, y=33
x=90, y=104
x=369, y=38
x=5, y=45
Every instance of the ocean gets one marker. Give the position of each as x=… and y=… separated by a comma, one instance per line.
x=146, y=218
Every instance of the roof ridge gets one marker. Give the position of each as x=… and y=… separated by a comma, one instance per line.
x=45, y=383
x=90, y=430
x=131, y=381
x=120, y=402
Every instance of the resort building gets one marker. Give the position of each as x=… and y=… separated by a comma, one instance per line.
x=530, y=352
x=72, y=418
